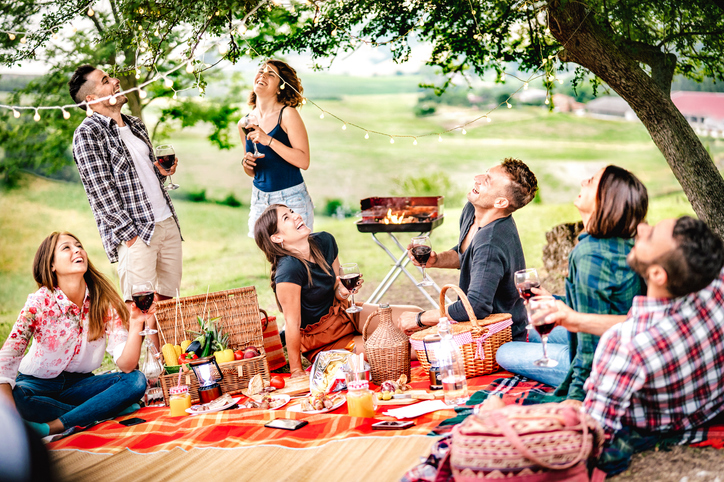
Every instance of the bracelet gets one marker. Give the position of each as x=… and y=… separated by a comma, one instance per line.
x=418, y=319
x=271, y=139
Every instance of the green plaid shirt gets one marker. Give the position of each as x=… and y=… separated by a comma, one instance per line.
x=599, y=281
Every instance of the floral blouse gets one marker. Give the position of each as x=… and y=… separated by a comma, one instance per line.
x=59, y=330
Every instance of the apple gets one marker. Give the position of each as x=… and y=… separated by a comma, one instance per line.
x=250, y=352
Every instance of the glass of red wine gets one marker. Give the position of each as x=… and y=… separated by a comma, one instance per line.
x=249, y=123
x=143, y=294
x=525, y=280
x=540, y=307
x=421, y=250
x=349, y=275
x=167, y=157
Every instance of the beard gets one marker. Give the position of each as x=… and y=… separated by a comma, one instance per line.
x=637, y=265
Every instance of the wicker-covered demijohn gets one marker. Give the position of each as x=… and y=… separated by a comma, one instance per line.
x=387, y=350
x=239, y=313
x=479, y=340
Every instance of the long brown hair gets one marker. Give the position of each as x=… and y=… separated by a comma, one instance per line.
x=103, y=294
x=265, y=227
x=291, y=94
x=622, y=202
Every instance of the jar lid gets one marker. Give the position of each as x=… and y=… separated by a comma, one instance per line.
x=179, y=390
x=358, y=385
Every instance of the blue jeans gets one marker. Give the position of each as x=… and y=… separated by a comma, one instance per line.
x=295, y=198
x=518, y=357
x=77, y=399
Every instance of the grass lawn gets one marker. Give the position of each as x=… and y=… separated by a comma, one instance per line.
x=562, y=149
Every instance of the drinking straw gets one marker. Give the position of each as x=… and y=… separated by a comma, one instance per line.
x=180, y=372
x=180, y=307
x=206, y=301
x=159, y=329
x=175, y=324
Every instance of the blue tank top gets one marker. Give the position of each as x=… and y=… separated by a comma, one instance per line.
x=273, y=173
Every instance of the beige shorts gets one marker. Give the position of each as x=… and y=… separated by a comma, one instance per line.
x=159, y=262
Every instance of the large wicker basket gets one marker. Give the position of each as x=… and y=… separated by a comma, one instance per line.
x=239, y=312
x=387, y=349
x=478, y=340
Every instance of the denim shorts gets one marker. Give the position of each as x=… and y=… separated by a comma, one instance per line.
x=295, y=198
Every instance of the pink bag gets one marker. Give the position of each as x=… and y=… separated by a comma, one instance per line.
x=534, y=443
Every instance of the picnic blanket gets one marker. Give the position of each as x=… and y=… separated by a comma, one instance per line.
x=165, y=441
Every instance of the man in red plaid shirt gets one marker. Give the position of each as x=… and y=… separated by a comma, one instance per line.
x=660, y=369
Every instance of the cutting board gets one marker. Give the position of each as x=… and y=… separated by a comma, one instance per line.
x=410, y=401
x=294, y=386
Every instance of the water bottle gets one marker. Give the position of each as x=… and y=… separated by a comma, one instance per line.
x=452, y=367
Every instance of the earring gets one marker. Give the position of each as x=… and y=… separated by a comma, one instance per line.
x=282, y=243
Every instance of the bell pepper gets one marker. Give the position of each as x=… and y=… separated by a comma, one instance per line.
x=187, y=357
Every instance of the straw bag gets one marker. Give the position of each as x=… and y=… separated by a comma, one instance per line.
x=547, y=442
x=387, y=350
x=272, y=342
x=478, y=340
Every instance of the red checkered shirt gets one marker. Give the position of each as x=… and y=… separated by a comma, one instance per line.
x=662, y=370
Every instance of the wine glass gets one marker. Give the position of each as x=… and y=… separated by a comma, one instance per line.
x=525, y=280
x=251, y=121
x=540, y=307
x=167, y=157
x=143, y=294
x=421, y=250
x=349, y=276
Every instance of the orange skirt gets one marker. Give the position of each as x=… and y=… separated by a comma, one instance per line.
x=333, y=331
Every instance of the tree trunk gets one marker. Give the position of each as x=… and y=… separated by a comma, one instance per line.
x=128, y=81
x=588, y=45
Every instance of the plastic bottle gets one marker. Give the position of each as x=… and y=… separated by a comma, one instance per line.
x=452, y=367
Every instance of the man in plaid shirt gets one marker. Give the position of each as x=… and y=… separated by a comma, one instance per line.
x=659, y=371
x=124, y=185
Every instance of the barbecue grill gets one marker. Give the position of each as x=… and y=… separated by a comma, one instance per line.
x=400, y=215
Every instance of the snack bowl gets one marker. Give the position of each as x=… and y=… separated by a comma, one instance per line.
x=172, y=368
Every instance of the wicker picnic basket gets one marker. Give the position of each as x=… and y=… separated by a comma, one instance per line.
x=239, y=312
x=479, y=340
x=387, y=349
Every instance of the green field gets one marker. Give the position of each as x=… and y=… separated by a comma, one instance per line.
x=561, y=149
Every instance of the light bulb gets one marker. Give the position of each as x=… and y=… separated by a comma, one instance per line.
x=344, y=127
x=142, y=93
x=16, y=113
x=242, y=29
x=367, y=134
x=525, y=86
x=174, y=95
x=464, y=131
x=66, y=114
x=414, y=143
x=168, y=82
x=24, y=40
x=509, y=105
x=321, y=116
x=544, y=61
x=140, y=10
x=502, y=77
x=138, y=74
x=55, y=36
x=304, y=101
x=73, y=28
x=157, y=33
x=12, y=36
x=112, y=100
x=201, y=90
x=546, y=102
x=88, y=111
x=223, y=48
x=488, y=119
x=90, y=12
x=334, y=32
x=560, y=81
x=36, y=117
x=439, y=138
x=189, y=68
x=392, y=141
x=281, y=87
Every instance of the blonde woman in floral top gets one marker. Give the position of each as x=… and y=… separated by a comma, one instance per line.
x=73, y=318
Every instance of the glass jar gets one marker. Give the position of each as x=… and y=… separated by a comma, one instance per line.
x=361, y=402
x=179, y=401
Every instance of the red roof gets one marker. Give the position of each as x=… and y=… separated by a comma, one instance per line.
x=700, y=104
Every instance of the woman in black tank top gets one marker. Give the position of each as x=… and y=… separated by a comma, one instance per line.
x=280, y=137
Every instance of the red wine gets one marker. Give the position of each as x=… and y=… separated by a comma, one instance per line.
x=167, y=161
x=545, y=328
x=525, y=289
x=422, y=254
x=143, y=300
x=350, y=280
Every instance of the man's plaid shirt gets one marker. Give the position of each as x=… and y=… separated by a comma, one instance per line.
x=662, y=370
x=119, y=204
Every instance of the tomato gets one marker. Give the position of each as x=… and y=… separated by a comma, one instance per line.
x=239, y=355
x=277, y=382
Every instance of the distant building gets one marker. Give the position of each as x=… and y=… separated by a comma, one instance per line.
x=566, y=103
x=703, y=110
x=610, y=107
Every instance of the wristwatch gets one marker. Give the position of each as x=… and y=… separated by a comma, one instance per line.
x=418, y=319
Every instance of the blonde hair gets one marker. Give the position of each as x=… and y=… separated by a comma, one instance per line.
x=103, y=295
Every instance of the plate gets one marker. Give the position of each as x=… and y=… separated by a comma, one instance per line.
x=284, y=399
x=218, y=409
x=340, y=401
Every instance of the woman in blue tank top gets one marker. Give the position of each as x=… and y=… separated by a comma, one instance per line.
x=281, y=141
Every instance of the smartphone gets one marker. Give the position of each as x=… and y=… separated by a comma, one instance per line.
x=286, y=424
x=392, y=425
x=131, y=421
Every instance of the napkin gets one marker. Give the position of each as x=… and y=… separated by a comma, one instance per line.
x=412, y=411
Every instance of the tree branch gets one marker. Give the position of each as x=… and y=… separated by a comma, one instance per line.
x=662, y=64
